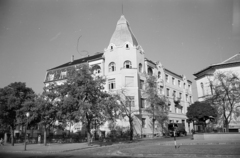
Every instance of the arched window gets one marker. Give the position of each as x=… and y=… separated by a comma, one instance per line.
x=127, y=64
x=112, y=67
x=127, y=46
x=150, y=72
x=140, y=67
x=96, y=69
x=159, y=74
x=111, y=47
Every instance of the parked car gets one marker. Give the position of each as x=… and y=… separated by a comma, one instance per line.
x=179, y=129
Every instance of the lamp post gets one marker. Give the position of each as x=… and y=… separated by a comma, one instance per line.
x=25, y=142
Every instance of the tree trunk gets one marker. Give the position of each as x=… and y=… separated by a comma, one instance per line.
x=131, y=128
x=45, y=136
x=89, y=133
x=227, y=125
x=12, y=135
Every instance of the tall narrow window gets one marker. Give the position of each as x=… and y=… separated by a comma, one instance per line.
x=112, y=67
x=179, y=83
x=173, y=81
x=127, y=46
x=127, y=64
x=143, y=122
x=140, y=67
x=186, y=97
x=166, y=78
x=111, y=47
x=202, y=87
x=180, y=96
x=184, y=85
x=159, y=74
x=141, y=84
x=174, y=94
x=167, y=92
x=143, y=103
x=161, y=90
x=111, y=84
x=190, y=99
x=150, y=71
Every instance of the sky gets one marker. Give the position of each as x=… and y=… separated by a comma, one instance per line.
x=186, y=36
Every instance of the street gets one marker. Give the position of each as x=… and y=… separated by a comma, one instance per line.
x=162, y=148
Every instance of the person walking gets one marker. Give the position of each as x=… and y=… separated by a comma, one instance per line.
x=1, y=142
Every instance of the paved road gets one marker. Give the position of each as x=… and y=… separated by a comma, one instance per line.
x=163, y=148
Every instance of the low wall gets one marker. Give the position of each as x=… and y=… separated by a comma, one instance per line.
x=217, y=136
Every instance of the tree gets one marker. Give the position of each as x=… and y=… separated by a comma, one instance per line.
x=225, y=96
x=158, y=103
x=201, y=112
x=44, y=111
x=126, y=110
x=86, y=100
x=12, y=99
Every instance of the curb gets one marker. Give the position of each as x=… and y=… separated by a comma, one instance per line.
x=219, y=143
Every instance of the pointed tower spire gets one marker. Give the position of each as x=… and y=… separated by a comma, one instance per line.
x=123, y=33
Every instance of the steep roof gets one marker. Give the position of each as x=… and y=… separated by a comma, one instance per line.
x=229, y=62
x=123, y=33
x=233, y=59
x=80, y=61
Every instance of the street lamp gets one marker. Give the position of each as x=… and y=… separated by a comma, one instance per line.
x=25, y=142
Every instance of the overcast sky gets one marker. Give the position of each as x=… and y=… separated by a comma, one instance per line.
x=184, y=35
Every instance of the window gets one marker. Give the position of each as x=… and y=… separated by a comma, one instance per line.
x=174, y=94
x=63, y=74
x=130, y=101
x=180, y=96
x=166, y=78
x=161, y=90
x=111, y=47
x=184, y=85
x=170, y=107
x=186, y=97
x=189, y=87
x=111, y=84
x=150, y=71
x=129, y=81
x=112, y=67
x=202, y=89
x=179, y=83
x=127, y=64
x=141, y=84
x=159, y=74
x=50, y=77
x=96, y=69
x=143, y=103
x=143, y=122
x=127, y=46
x=190, y=99
x=168, y=92
x=173, y=81
x=140, y=67
x=176, y=110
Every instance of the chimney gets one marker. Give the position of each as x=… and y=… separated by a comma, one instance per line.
x=72, y=59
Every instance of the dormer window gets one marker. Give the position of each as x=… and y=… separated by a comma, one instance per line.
x=127, y=46
x=96, y=69
x=150, y=71
x=112, y=67
x=111, y=47
x=127, y=64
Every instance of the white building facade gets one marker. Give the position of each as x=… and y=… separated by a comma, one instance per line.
x=206, y=76
x=125, y=66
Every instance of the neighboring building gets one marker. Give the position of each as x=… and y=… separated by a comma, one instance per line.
x=125, y=66
x=205, y=77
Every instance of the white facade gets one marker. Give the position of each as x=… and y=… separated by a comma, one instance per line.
x=125, y=67
x=205, y=76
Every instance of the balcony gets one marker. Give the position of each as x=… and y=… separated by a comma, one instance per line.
x=176, y=100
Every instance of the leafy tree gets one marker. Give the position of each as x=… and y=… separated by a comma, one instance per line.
x=225, y=96
x=44, y=111
x=158, y=103
x=12, y=99
x=200, y=112
x=126, y=109
x=85, y=100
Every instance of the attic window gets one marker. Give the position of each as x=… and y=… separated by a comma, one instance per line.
x=111, y=47
x=127, y=64
x=127, y=46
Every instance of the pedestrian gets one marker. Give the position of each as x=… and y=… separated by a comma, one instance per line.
x=1, y=142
